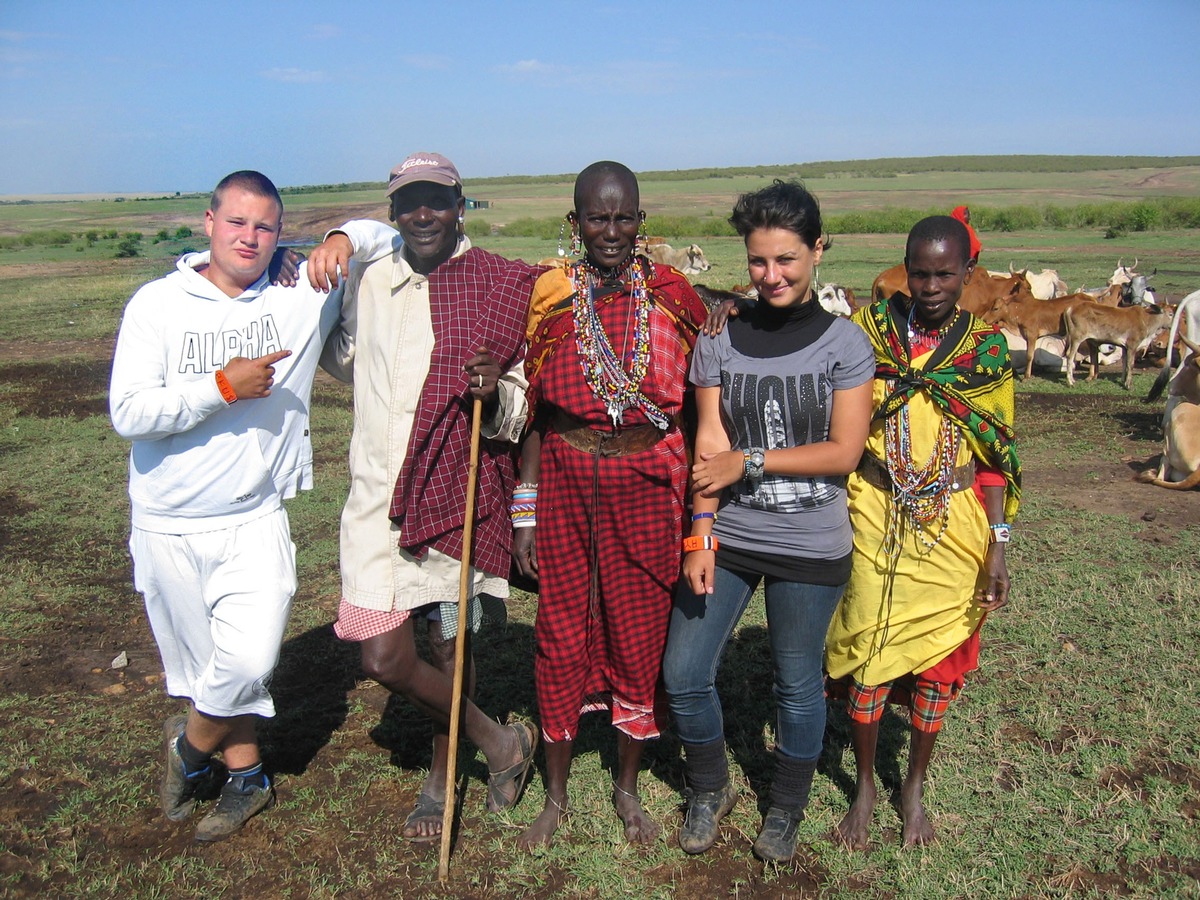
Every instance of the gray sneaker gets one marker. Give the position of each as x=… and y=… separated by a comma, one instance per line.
x=176, y=792
x=234, y=809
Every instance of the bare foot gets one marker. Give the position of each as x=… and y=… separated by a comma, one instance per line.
x=541, y=832
x=639, y=827
x=918, y=831
x=854, y=830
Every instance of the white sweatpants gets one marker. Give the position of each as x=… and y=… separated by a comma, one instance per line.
x=218, y=603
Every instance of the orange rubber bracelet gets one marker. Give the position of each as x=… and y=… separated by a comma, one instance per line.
x=228, y=394
x=700, y=542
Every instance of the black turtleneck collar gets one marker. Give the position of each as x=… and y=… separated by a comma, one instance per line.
x=767, y=331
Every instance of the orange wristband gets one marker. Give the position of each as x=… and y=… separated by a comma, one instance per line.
x=228, y=394
x=700, y=542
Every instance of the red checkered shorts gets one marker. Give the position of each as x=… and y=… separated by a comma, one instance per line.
x=926, y=700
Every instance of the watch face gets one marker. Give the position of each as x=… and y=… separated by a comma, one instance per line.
x=757, y=459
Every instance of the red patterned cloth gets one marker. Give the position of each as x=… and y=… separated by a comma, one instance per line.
x=357, y=623
x=927, y=701
x=476, y=300
x=609, y=528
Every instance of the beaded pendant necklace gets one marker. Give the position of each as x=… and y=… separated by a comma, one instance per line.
x=615, y=381
x=921, y=493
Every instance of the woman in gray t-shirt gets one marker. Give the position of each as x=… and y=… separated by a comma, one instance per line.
x=784, y=402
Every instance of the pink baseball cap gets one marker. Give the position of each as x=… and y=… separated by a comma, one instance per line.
x=424, y=167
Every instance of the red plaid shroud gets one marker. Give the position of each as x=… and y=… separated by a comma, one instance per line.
x=621, y=514
x=476, y=300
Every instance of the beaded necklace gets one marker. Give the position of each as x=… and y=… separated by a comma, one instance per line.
x=921, y=493
x=616, y=382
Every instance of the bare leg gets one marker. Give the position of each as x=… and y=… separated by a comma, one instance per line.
x=917, y=829
x=639, y=827
x=558, y=768
x=392, y=660
x=442, y=659
x=234, y=736
x=854, y=829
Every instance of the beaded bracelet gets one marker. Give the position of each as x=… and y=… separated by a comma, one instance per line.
x=696, y=517
x=228, y=394
x=1001, y=533
x=700, y=542
x=523, y=510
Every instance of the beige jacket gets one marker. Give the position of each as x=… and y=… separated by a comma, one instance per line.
x=384, y=348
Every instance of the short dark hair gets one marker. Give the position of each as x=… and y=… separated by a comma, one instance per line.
x=602, y=169
x=251, y=182
x=937, y=229
x=782, y=204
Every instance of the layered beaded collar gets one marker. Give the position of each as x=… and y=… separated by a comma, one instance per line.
x=614, y=378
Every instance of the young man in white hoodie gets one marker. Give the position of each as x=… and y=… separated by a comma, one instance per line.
x=211, y=381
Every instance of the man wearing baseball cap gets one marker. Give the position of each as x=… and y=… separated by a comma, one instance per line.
x=429, y=326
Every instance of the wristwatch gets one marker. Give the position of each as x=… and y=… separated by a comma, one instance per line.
x=755, y=460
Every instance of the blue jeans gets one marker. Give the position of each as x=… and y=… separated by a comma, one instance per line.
x=798, y=616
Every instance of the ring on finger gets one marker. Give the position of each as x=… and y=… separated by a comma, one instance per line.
x=480, y=377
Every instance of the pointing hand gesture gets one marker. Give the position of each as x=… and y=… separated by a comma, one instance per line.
x=252, y=378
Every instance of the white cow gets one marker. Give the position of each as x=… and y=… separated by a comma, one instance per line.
x=1188, y=311
x=836, y=299
x=1179, y=468
x=690, y=260
x=1045, y=285
x=1122, y=274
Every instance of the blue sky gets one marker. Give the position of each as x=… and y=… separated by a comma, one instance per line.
x=133, y=96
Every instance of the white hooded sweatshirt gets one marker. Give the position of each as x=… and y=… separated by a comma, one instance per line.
x=198, y=463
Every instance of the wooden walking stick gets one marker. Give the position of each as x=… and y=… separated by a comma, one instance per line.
x=460, y=641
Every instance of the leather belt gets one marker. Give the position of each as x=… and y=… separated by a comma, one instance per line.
x=875, y=473
x=586, y=439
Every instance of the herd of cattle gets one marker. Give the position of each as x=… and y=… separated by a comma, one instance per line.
x=1038, y=311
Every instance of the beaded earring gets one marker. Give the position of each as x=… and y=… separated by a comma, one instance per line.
x=562, y=229
x=575, y=246
x=642, y=241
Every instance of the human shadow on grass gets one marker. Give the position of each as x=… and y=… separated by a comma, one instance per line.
x=745, y=684
x=310, y=686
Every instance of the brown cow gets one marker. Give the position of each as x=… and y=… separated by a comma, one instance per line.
x=1034, y=318
x=1179, y=469
x=1129, y=328
x=980, y=295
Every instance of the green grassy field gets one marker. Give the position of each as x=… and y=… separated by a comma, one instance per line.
x=1068, y=768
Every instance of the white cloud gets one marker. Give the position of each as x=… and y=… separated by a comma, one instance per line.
x=529, y=67
x=11, y=56
x=294, y=76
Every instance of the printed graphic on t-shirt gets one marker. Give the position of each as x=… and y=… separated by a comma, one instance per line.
x=205, y=352
x=775, y=412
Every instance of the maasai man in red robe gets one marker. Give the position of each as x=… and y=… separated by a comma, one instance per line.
x=610, y=339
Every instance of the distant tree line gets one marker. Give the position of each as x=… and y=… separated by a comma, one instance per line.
x=855, y=168
x=1114, y=218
